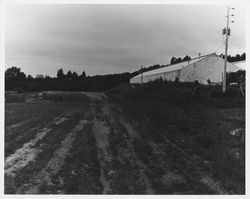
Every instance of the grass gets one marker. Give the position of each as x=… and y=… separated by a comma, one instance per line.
x=63, y=96
x=196, y=118
x=44, y=109
x=14, y=98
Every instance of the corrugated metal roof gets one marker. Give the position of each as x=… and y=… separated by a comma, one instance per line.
x=169, y=68
x=240, y=64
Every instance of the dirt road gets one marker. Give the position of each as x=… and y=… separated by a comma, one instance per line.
x=97, y=150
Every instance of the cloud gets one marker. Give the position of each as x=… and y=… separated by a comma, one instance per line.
x=102, y=39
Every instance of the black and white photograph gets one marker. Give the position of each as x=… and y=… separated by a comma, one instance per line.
x=124, y=98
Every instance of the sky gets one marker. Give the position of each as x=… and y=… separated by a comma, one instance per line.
x=107, y=39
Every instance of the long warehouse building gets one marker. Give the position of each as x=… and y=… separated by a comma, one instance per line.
x=204, y=68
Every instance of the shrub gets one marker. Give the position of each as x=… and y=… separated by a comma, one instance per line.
x=63, y=96
x=14, y=98
x=231, y=92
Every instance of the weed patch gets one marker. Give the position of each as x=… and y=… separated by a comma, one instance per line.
x=196, y=118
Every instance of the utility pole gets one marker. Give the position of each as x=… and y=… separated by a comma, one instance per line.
x=141, y=75
x=226, y=31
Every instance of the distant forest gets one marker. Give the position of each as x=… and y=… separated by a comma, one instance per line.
x=16, y=80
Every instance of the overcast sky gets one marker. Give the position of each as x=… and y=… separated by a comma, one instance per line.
x=103, y=39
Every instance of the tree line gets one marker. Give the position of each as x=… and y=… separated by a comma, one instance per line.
x=235, y=58
x=16, y=80
x=176, y=60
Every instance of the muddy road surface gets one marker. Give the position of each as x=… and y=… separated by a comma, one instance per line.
x=92, y=148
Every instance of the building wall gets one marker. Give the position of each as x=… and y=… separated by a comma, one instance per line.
x=135, y=80
x=172, y=75
x=211, y=67
x=240, y=64
x=165, y=76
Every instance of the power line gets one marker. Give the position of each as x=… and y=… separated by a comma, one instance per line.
x=218, y=48
x=223, y=43
x=226, y=31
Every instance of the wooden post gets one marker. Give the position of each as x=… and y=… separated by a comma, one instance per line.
x=227, y=32
x=141, y=75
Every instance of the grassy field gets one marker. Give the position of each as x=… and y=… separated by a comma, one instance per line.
x=202, y=125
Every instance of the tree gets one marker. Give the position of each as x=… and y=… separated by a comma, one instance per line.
x=14, y=73
x=186, y=58
x=243, y=56
x=173, y=60
x=60, y=75
x=83, y=75
x=39, y=77
x=237, y=57
x=30, y=78
x=74, y=75
x=15, y=79
x=47, y=77
x=69, y=75
x=179, y=60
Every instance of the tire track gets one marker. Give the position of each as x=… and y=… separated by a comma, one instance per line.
x=19, y=124
x=105, y=122
x=101, y=132
x=23, y=156
x=133, y=136
x=57, y=160
x=80, y=173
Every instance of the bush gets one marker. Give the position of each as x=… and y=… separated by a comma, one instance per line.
x=231, y=92
x=63, y=96
x=14, y=98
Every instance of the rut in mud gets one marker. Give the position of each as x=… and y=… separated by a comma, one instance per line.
x=121, y=170
x=96, y=150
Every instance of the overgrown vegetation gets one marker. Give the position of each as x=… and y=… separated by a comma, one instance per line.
x=197, y=118
x=16, y=80
x=63, y=96
x=13, y=98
